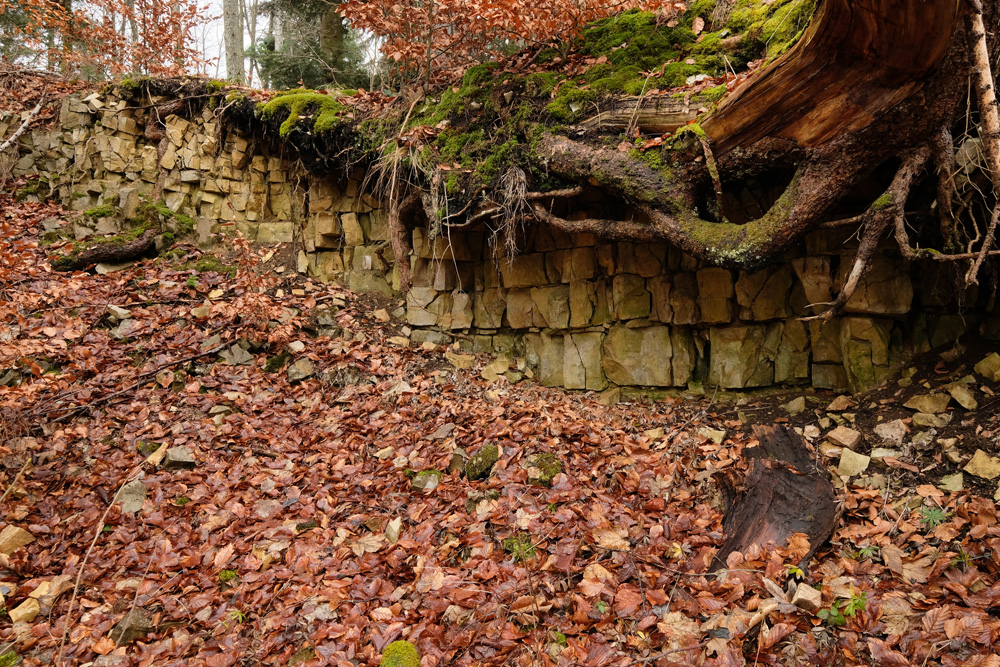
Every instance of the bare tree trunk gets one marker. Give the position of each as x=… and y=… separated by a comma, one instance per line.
x=232, y=22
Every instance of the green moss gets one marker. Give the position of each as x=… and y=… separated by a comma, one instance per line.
x=132, y=86
x=277, y=362
x=228, y=575
x=400, y=654
x=479, y=74
x=503, y=156
x=215, y=85
x=294, y=106
x=571, y=103
x=182, y=501
x=540, y=83
x=102, y=211
x=885, y=201
x=547, y=466
x=520, y=546
x=302, y=655
x=715, y=94
x=480, y=464
x=207, y=263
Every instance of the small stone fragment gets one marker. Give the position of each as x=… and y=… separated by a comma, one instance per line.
x=481, y=464
x=840, y=404
x=118, y=313
x=457, y=462
x=929, y=403
x=852, y=463
x=426, y=480
x=954, y=482
x=135, y=625
x=300, y=370
x=807, y=598
x=400, y=341
x=882, y=452
x=381, y=315
x=542, y=468
x=236, y=356
x=13, y=538
x=392, y=530
x=963, y=396
x=989, y=367
x=460, y=361
x=892, y=433
x=715, y=435
x=811, y=431
x=178, y=458
x=934, y=421
x=26, y=611
x=295, y=347
x=444, y=431
x=845, y=437
x=983, y=465
x=494, y=372
x=796, y=406
x=132, y=496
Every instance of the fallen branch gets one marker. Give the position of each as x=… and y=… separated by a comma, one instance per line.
x=24, y=126
x=107, y=252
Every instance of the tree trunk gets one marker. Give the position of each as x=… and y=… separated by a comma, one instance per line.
x=232, y=21
x=331, y=37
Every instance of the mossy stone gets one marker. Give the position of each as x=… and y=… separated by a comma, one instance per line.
x=481, y=464
x=400, y=654
x=544, y=467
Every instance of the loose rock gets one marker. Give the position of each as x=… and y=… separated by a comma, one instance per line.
x=481, y=464
x=983, y=465
x=178, y=458
x=300, y=370
x=135, y=625
x=807, y=598
x=852, y=463
x=892, y=433
x=929, y=403
x=845, y=437
x=13, y=538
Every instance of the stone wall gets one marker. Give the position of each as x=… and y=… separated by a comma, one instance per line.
x=585, y=314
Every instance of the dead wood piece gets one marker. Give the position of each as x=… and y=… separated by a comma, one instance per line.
x=783, y=493
x=107, y=253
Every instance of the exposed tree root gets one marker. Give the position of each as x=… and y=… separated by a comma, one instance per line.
x=877, y=219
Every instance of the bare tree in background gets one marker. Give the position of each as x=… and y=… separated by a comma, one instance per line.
x=232, y=20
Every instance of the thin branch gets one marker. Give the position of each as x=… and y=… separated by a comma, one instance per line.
x=24, y=126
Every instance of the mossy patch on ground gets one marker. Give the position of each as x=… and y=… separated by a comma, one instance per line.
x=400, y=654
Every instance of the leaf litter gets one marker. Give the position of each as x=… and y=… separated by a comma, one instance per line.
x=297, y=531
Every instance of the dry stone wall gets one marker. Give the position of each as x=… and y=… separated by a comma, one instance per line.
x=583, y=313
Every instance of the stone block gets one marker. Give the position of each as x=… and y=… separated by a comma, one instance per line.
x=639, y=357
x=275, y=232
x=582, y=361
x=582, y=304
x=684, y=359
x=743, y=356
x=520, y=309
x=824, y=340
x=488, y=308
x=578, y=264
x=884, y=289
x=546, y=353
x=816, y=280
x=353, y=234
x=450, y=246
x=644, y=259
x=630, y=300
x=683, y=298
x=524, y=271
x=552, y=305
x=659, y=290
x=175, y=128
x=864, y=344
x=426, y=306
x=764, y=295
x=791, y=363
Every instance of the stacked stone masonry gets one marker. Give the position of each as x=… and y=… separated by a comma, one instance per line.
x=585, y=313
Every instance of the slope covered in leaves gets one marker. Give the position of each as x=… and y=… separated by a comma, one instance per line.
x=299, y=535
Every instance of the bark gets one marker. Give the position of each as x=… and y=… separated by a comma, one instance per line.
x=784, y=493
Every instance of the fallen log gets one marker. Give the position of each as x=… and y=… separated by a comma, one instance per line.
x=115, y=250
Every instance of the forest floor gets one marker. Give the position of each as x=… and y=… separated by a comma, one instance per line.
x=215, y=465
